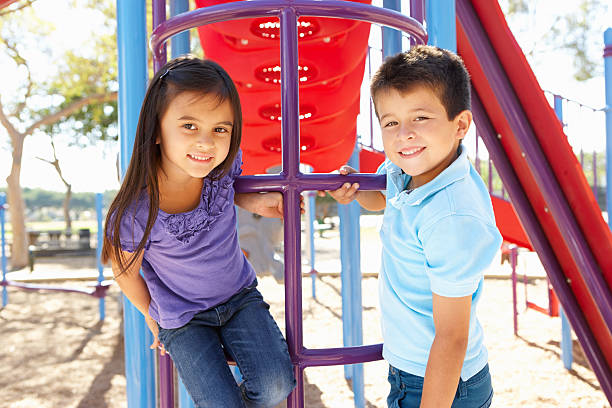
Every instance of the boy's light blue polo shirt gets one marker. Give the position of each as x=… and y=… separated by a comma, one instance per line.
x=438, y=238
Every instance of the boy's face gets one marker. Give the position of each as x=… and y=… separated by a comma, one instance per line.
x=417, y=135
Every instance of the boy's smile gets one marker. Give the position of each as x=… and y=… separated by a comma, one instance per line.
x=417, y=135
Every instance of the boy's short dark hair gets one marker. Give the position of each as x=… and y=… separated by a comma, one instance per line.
x=425, y=65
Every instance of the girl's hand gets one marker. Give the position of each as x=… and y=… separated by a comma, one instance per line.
x=347, y=192
x=271, y=205
x=155, y=330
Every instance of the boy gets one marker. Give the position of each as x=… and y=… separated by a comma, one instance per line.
x=438, y=233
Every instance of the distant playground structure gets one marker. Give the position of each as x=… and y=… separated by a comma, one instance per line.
x=300, y=109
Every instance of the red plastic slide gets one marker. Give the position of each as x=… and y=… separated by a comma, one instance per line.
x=557, y=153
x=332, y=55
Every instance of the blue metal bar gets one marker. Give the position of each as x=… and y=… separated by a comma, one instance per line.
x=99, y=249
x=566, y=341
x=346, y=288
x=3, y=246
x=391, y=38
x=608, y=80
x=132, y=62
x=311, y=210
x=180, y=43
x=441, y=26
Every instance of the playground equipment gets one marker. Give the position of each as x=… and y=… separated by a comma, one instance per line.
x=551, y=197
x=98, y=290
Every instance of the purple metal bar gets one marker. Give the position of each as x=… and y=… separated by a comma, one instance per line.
x=262, y=8
x=537, y=163
x=97, y=291
x=290, y=136
x=159, y=17
x=417, y=10
x=166, y=381
x=541, y=245
x=339, y=356
x=307, y=182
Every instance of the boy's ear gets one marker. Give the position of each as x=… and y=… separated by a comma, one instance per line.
x=463, y=121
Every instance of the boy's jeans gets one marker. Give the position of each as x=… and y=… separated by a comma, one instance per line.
x=406, y=390
x=248, y=333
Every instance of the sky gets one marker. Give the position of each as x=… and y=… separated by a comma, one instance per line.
x=94, y=169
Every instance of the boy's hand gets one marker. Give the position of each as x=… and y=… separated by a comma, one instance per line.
x=347, y=192
x=155, y=330
x=271, y=204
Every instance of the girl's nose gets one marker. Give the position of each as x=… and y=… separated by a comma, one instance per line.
x=204, y=141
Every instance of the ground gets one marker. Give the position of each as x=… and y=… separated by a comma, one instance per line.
x=58, y=354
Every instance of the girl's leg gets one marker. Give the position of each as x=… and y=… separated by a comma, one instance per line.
x=253, y=339
x=197, y=353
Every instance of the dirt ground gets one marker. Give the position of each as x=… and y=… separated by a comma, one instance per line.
x=56, y=352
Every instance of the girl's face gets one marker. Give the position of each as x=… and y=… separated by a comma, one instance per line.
x=196, y=131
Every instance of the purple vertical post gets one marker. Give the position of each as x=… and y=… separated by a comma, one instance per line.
x=370, y=102
x=490, y=176
x=159, y=16
x=290, y=131
x=513, y=256
x=166, y=382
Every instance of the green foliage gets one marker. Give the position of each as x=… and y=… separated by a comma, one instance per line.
x=36, y=199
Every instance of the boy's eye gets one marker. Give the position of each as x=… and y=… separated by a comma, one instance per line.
x=421, y=118
x=189, y=126
x=389, y=124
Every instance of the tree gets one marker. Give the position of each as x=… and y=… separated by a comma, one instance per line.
x=578, y=31
x=79, y=96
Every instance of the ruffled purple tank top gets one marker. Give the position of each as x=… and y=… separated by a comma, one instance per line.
x=192, y=261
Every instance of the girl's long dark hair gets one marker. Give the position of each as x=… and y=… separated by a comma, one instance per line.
x=179, y=75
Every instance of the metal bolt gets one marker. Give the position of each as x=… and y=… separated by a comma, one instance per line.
x=569, y=281
x=523, y=154
x=545, y=209
x=499, y=136
x=244, y=41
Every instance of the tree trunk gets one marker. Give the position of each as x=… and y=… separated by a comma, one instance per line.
x=19, y=248
x=67, y=207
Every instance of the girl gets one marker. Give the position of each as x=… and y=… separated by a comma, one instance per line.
x=174, y=217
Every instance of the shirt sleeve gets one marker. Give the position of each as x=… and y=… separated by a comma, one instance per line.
x=131, y=231
x=236, y=169
x=458, y=249
x=382, y=170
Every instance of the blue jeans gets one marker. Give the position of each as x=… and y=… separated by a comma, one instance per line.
x=243, y=328
x=406, y=390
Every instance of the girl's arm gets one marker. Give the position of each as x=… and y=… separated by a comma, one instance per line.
x=265, y=204
x=452, y=323
x=135, y=289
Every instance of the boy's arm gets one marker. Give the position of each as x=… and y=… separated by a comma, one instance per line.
x=135, y=289
x=452, y=322
x=370, y=200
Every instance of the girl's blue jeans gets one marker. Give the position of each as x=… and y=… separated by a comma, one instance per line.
x=406, y=390
x=244, y=328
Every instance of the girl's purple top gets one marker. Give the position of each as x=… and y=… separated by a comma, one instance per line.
x=192, y=261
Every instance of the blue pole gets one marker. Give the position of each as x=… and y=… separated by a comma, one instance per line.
x=2, y=243
x=608, y=77
x=311, y=205
x=440, y=17
x=132, y=63
x=351, y=272
x=566, y=329
x=391, y=38
x=180, y=42
x=99, y=249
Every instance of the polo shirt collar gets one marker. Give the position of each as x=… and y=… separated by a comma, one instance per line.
x=457, y=170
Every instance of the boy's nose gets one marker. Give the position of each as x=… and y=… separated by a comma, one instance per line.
x=406, y=132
